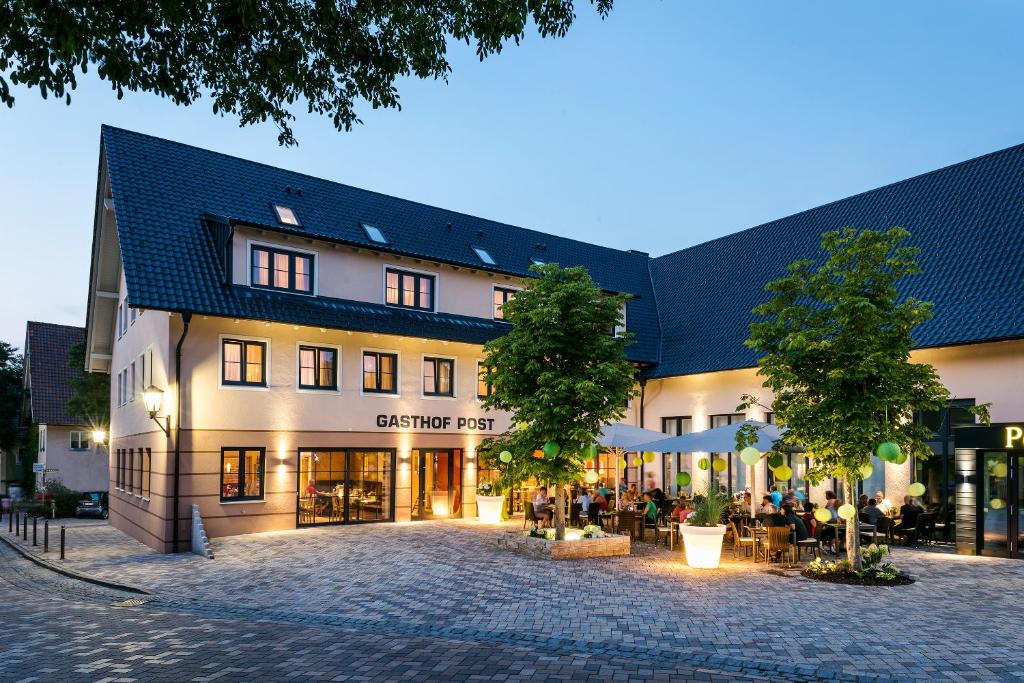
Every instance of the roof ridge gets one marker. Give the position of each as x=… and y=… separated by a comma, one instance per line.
x=43, y=322
x=895, y=183
x=104, y=127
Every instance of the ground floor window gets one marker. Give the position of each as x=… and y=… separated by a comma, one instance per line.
x=798, y=482
x=436, y=483
x=345, y=485
x=729, y=471
x=79, y=441
x=241, y=473
x=605, y=467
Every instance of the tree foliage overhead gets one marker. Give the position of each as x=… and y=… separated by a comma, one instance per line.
x=11, y=395
x=257, y=58
x=835, y=343
x=90, y=391
x=559, y=371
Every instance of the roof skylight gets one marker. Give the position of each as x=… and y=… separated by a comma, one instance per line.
x=374, y=233
x=286, y=215
x=537, y=262
x=484, y=256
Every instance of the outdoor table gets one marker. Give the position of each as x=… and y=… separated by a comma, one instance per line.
x=841, y=532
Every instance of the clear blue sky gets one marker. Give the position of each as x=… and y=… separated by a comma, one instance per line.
x=668, y=124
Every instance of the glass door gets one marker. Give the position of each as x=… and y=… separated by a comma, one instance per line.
x=1018, y=503
x=436, y=483
x=996, y=504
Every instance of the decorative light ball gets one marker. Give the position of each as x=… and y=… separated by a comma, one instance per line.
x=551, y=449
x=718, y=465
x=648, y=457
x=573, y=535
x=750, y=455
x=591, y=451
x=704, y=464
x=591, y=477
x=637, y=461
x=683, y=479
x=916, y=489
x=999, y=470
x=888, y=451
x=775, y=460
x=996, y=503
x=866, y=471
x=538, y=454
x=783, y=472
x=847, y=511
x=822, y=515
x=623, y=464
x=900, y=459
x=505, y=457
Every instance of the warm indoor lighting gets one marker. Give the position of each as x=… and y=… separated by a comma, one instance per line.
x=99, y=437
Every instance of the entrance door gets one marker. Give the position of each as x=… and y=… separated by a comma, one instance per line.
x=345, y=485
x=1002, y=504
x=436, y=483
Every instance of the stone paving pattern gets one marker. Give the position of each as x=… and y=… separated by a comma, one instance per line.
x=446, y=581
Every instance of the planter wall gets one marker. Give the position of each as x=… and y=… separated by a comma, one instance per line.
x=541, y=548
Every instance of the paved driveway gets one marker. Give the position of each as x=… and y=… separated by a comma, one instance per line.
x=445, y=580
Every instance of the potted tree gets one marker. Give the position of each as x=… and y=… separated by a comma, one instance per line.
x=703, y=530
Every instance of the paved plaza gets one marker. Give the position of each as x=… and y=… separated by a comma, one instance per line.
x=436, y=601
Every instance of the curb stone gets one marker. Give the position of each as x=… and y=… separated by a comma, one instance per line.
x=70, y=573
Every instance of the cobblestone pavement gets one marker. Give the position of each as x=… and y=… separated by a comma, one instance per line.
x=445, y=580
x=62, y=629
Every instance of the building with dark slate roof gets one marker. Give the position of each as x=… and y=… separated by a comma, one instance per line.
x=314, y=347
x=65, y=444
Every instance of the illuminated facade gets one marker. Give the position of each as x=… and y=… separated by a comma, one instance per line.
x=314, y=348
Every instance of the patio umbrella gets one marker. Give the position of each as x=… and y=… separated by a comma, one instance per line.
x=618, y=438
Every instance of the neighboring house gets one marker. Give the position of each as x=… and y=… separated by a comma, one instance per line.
x=65, y=441
x=318, y=345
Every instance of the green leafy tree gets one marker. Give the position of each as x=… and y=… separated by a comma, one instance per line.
x=835, y=347
x=256, y=60
x=562, y=374
x=90, y=391
x=11, y=396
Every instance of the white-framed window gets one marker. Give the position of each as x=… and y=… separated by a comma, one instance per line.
x=380, y=372
x=147, y=376
x=405, y=288
x=119, y=323
x=132, y=313
x=483, y=387
x=79, y=441
x=133, y=382
x=121, y=387
x=42, y=438
x=499, y=297
x=142, y=371
x=438, y=379
x=244, y=362
x=282, y=269
x=319, y=367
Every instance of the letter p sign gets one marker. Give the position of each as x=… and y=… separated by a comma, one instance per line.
x=1014, y=434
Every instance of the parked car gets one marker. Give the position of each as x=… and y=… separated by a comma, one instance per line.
x=93, y=504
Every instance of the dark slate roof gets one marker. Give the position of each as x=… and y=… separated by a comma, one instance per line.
x=162, y=189
x=967, y=219
x=47, y=346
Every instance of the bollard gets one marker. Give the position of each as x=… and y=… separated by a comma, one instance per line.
x=46, y=536
x=62, y=541
x=35, y=527
x=10, y=520
x=24, y=527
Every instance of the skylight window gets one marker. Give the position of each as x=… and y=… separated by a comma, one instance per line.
x=374, y=233
x=537, y=262
x=286, y=215
x=484, y=256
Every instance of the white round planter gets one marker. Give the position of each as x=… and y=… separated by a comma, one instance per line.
x=488, y=509
x=703, y=545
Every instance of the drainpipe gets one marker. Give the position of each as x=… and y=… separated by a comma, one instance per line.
x=186, y=318
x=643, y=463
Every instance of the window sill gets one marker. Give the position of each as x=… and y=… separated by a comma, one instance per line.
x=382, y=394
x=245, y=387
x=249, y=501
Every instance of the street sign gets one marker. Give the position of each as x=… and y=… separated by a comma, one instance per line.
x=38, y=467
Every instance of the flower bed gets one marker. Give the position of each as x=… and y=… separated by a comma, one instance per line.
x=579, y=544
x=874, y=572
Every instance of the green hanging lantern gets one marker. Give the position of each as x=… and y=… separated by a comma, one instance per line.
x=900, y=459
x=648, y=457
x=750, y=455
x=551, y=449
x=783, y=472
x=888, y=451
x=822, y=515
x=775, y=461
x=683, y=479
x=866, y=471
x=718, y=465
x=592, y=451
x=916, y=489
x=704, y=464
x=505, y=457
x=591, y=477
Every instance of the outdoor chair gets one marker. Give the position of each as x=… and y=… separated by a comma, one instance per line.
x=916, y=534
x=528, y=515
x=574, y=514
x=944, y=528
x=778, y=542
x=810, y=543
x=743, y=538
x=594, y=513
x=884, y=529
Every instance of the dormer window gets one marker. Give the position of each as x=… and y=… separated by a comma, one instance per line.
x=286, y=216
x=285, y=271
x=374, y=233
x=484, y=256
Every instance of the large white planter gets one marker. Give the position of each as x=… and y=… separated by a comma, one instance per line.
x=703, y=545
x=488, y=509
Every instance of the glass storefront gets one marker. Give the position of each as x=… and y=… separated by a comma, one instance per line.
x=731, y=475
x=345, y=485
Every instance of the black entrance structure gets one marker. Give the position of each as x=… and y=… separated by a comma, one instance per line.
x=990, y=490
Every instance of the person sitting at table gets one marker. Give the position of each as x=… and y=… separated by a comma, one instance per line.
x=631, y=495
x=658, y=496
x=745, y=504
x=832, y=504
x=776, y=497
x=795, y=523
x=682, y=510
x=872, y=512
x=311, y=489
x=809, y=521
x=862, y=502
x=603, y=490
x=790, y=498
x=650, y=510
x=908, y=514
x=601, y=499
x=584, y=500
x=883, y=503
x=767, y=506
x=540, y=510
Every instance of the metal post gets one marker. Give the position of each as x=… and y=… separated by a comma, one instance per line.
x=62, y=541
x=24, y=527
x=46, y=536
x=10, y=520
x=35, y=529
